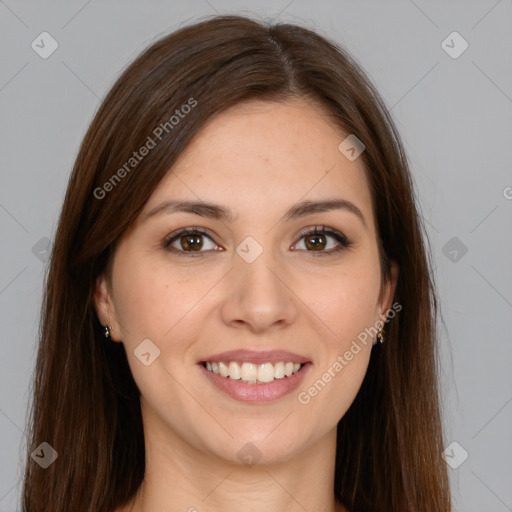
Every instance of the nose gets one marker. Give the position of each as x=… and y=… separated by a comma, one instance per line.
x=259, y=295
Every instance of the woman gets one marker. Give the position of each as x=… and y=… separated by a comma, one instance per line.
x=239, y=225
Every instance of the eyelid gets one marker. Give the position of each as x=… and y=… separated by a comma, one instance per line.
x=322, y=229
x=190, y=229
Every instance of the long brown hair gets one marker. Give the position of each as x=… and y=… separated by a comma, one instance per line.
x=85, y=402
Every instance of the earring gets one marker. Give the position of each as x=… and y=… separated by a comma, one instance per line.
x=380, y=336
x=108, y=328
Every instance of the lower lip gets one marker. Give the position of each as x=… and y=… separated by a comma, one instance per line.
x=258, y=393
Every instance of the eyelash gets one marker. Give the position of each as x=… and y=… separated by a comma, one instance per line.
x=344, y=242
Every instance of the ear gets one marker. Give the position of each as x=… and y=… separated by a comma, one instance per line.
x=104, y=306
x=387, y=293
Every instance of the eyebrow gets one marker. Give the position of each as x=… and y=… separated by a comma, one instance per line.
x=214, y=211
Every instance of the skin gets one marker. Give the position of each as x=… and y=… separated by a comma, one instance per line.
x=257, y=159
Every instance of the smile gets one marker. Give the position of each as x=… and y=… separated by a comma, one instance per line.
x=256, y=383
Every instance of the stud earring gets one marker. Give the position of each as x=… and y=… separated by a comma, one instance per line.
x=380, y=336
x=108, y=328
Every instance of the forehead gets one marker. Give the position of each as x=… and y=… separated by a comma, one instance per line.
x=262, y=157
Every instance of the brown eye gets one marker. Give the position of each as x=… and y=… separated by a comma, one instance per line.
x=191, y=242
x=324, y=241
x=188, y=241
x=315, y=242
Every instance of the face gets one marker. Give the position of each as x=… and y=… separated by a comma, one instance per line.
x=257, y=279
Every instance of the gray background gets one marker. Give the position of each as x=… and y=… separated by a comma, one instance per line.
x=455, y=117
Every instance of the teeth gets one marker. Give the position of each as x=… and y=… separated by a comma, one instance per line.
x=249, y=372
x=234, y=371
x=223, y=370
x=266, y=372
x=279, y=370
x=253, y=373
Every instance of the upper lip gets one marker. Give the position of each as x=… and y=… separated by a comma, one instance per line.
x=250, y=356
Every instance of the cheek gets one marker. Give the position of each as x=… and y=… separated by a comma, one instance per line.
x=152, y=301
x=345, y=301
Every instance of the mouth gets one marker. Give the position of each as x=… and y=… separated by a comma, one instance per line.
x=255, y=376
